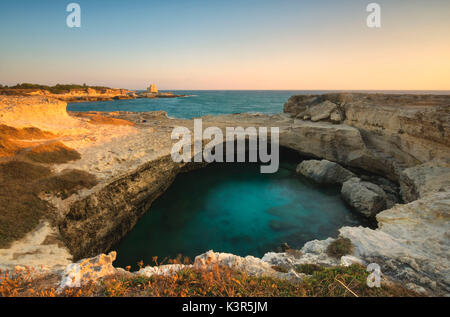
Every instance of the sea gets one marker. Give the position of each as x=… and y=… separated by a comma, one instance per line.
x=215, y=102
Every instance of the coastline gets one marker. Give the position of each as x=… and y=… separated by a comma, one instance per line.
x=367, y=136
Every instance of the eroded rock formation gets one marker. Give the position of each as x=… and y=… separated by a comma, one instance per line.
x=366, y=198
x=324, y=172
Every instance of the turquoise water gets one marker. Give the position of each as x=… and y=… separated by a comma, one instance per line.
x=233, y=208
x=199, y=104
x=207, y=102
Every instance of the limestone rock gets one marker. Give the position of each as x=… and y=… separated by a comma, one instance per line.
x=251, y=265
x=169, y=269
x=391, y=189
x=40, y=112
x=336, y=116
x=334, y=142
x=423, y=179
x=88, y=270
x=366, y=198
x=411, y=244
x=411, y=129
x=322, y=111
x=348, y=260
x=313, y=252
x=324, y=172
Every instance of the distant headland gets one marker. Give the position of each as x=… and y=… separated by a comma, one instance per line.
x=83, y=93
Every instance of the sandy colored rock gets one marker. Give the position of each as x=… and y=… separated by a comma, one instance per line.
x=324, y=172
x=88, y=270
x=418, y=181
x=366, y=198
x=411, y=129
x=39, y=112
x=35, y=251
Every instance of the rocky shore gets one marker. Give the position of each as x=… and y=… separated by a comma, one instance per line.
x=88, y=94
x=390, y=153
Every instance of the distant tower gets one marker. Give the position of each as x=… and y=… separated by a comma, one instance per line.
x=152, y=89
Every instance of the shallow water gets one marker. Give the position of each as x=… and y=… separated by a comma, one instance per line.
x=233, y=208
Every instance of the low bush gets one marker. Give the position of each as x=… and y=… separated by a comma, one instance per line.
x=340, y=247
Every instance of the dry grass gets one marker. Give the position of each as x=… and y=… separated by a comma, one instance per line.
x=24, y=133
x=67, y=183
x=8, y=147
x=215, y=282
x=21, y=208
x=54, y=152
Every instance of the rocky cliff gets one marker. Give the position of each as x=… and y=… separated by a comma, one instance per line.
x=399, y=130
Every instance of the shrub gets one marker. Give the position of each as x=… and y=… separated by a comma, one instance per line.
x=308, y=269
x=280, y=268
x=340, y=247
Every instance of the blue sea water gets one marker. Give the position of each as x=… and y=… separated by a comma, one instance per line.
x=204, y=102
x=199, y=103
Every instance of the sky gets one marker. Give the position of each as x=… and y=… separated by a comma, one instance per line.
x=232, y=44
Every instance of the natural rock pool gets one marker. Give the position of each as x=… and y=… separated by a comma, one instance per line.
x=231, y=207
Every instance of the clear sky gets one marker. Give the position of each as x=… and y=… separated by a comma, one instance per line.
x=228, y=44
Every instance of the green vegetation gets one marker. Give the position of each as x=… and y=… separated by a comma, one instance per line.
x=340, y=247
x=57, y=89
x=280, y=268
x=308, y=269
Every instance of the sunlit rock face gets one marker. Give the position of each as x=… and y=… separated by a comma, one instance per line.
x=88, y=270
x=39, y=112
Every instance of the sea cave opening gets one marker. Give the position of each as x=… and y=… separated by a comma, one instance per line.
x=233, y=208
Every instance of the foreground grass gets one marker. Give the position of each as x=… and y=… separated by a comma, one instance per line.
x=218, y=282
